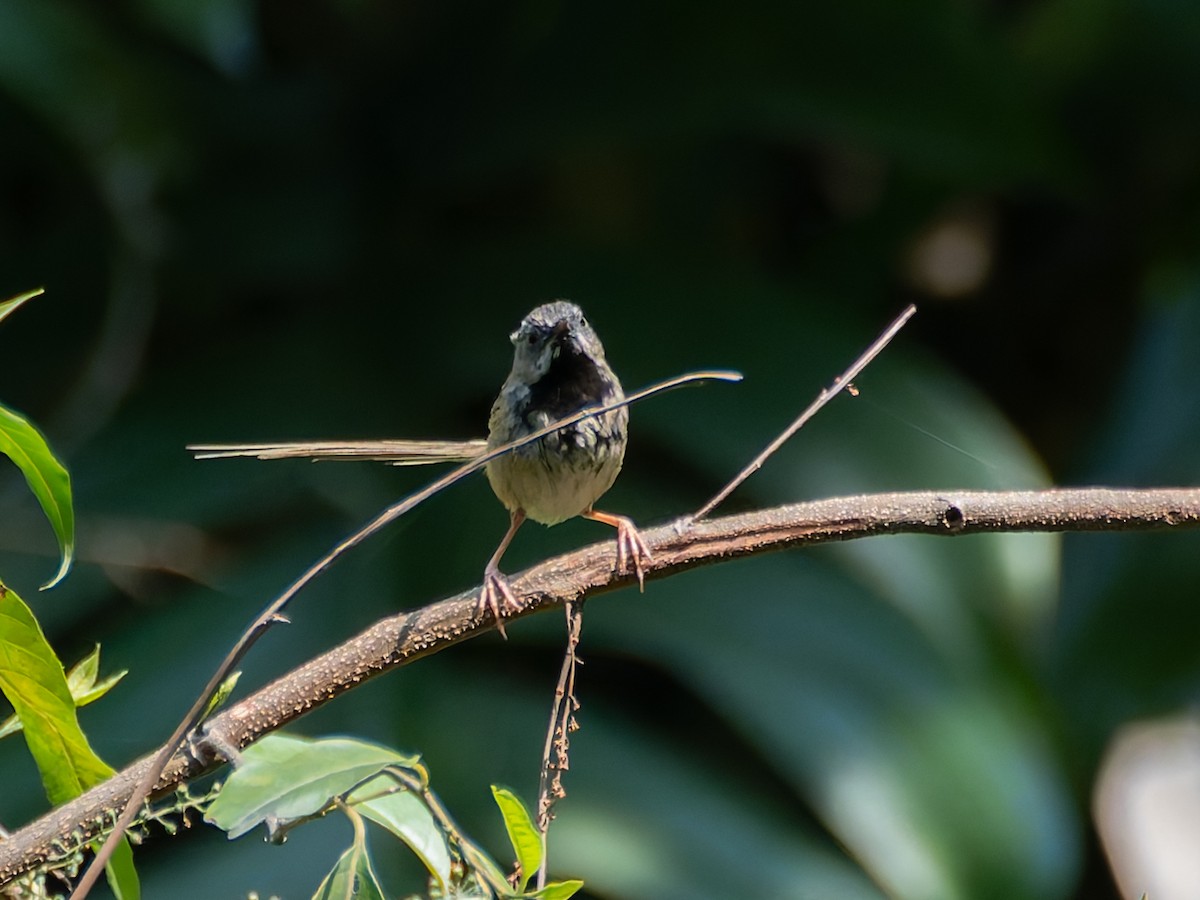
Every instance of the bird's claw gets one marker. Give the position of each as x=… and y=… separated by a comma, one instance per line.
x=497, y=597
x=632, y=552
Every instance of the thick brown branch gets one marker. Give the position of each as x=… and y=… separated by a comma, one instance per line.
x=400, y=639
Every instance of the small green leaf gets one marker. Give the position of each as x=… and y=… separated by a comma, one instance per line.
x=11, y=306
x=406, y=816
x=221, y=694
x=82, y=676
x=351, y=877
x=81, y=682
x=81, y=679
x=49, y=481
x=558, y=890
x=97, y=690
x=283, y=778
x=121, y=875
x=525, y=838
x=32, y=679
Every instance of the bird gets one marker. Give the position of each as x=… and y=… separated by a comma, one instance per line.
x=559, y=368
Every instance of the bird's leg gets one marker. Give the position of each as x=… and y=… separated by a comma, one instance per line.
x=495, y=585
x=632, y=552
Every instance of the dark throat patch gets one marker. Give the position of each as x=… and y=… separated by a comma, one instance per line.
x=572, y=382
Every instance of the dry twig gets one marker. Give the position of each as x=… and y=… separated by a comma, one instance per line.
x=555, y=755
x=844, y=382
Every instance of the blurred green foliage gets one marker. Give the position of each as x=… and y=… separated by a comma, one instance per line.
x=288, y=220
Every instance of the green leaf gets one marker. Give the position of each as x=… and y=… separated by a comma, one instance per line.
x=525, y=838
x=49, y=481
x=351, y=877
x=32, y=679
x=121, y=875
x=221, y=694
x=559, y=890
x=407, y=817
x=81, y=679
x=81, y=682
x=10, y=726
x=10, y=306
x=82, y=676
x=284, y=777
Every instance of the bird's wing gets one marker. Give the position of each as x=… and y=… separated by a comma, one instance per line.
x=398, y=453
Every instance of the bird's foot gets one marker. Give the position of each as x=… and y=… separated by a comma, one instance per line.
x=497, y=597
x=632, y=552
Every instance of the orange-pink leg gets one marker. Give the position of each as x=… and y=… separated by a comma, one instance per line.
x=632, y=552
x=495, y=585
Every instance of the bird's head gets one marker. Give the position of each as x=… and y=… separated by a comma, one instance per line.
x=551, y=332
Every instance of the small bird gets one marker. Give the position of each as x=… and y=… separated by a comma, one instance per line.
x=558, y=369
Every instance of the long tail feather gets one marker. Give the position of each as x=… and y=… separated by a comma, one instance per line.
x=398, y=453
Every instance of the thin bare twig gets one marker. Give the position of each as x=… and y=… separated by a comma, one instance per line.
x=401, y=639
x=843, y=382
x=555, y=755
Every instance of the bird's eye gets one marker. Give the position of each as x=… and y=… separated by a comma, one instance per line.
x=583, y=321
x=533, y=338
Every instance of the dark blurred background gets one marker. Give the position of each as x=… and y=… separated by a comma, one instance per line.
x=279, y=220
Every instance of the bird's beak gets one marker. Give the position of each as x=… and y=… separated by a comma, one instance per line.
x=560, y=337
